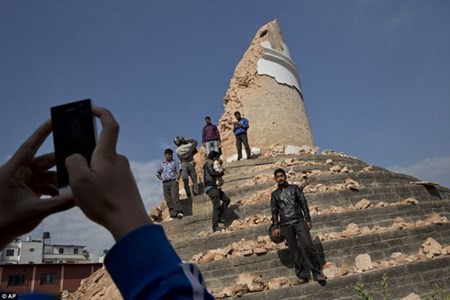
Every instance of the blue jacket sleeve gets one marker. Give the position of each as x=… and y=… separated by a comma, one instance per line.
x=144, y=265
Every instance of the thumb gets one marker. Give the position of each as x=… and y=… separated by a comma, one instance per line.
x=54, y=205
x=77, y=167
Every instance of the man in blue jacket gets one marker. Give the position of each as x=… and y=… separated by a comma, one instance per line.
x=240, y=131
x=142, y=263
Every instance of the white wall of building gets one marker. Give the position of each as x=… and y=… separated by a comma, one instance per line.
x=31, y=252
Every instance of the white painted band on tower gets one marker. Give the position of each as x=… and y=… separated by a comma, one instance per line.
x=279, y=66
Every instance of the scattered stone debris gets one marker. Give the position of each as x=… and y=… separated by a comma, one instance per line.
x=339, y=169
x=332, y=152
x=362, y=204
x=367, y=169
x=247, y=282
x=412, y=296
x=399, y=223
x=308, y=150
x=431, y=248
x=262, y=178
x=262, y=245
x=274, y=150
x=160, y=212
x=349, y=184
x=278, y=283
x=244, y=247
x=96, y=287
x=363, y=263
x=411, y=201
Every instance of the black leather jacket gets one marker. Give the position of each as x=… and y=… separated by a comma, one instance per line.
x=289, y=205
x=209, y=174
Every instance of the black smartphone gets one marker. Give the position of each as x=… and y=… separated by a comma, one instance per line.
x=74, y=131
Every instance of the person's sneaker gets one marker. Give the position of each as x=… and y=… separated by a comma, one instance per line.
x=180, y=215
x=319, y=277
x=218, y=228
x=303, y=280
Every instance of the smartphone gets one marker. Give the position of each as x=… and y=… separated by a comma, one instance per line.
x=74, y=131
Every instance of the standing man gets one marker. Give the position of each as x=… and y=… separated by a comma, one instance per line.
x=210, y=136
x=214, y=192
x=291, y=218
x=169, y=173
x=186, y=149
x=240, y=131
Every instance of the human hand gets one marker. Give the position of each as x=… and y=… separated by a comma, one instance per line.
x=309, y=224
x=23, y=179
x=276, y=232
x=106, y=190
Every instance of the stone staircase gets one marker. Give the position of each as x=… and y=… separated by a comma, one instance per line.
x=248, y=184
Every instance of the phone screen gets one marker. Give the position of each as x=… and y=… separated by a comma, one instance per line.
x=73, y=132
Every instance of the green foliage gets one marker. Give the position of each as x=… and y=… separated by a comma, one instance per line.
x=384, y=286
x=362, y=292
x=439, y=292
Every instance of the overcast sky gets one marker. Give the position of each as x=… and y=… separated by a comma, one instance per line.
x=375, y=77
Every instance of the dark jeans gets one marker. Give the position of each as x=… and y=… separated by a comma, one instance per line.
x=242, y=139
x=170, y=189
x=189, y=171
x=306, y=259
x=216, y=195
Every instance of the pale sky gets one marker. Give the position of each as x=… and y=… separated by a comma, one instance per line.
x=375, y=77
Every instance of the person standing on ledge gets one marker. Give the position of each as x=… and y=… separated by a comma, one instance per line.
x=240, y=131
x=186, y=149
x=210, y=136
x=169, y=173
x=291, y=218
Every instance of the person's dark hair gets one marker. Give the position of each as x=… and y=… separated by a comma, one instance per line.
x=279, y=170
x=168, y=150
x=213, y=154
x=207, y=118
x=237, y=113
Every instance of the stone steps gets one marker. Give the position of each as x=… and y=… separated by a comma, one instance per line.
x=238, y=176
x=221, y=273
x=192, y=225
x=370, y=180
x=188, y=235
x=419, y=278
x=322, y=224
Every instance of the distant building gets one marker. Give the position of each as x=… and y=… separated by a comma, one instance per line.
x=47, y=278
x=39, y=266
x=42, y=252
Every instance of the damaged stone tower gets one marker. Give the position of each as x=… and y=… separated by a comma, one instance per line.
x=266, y=89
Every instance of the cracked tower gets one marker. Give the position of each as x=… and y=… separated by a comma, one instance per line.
x=266, y=89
